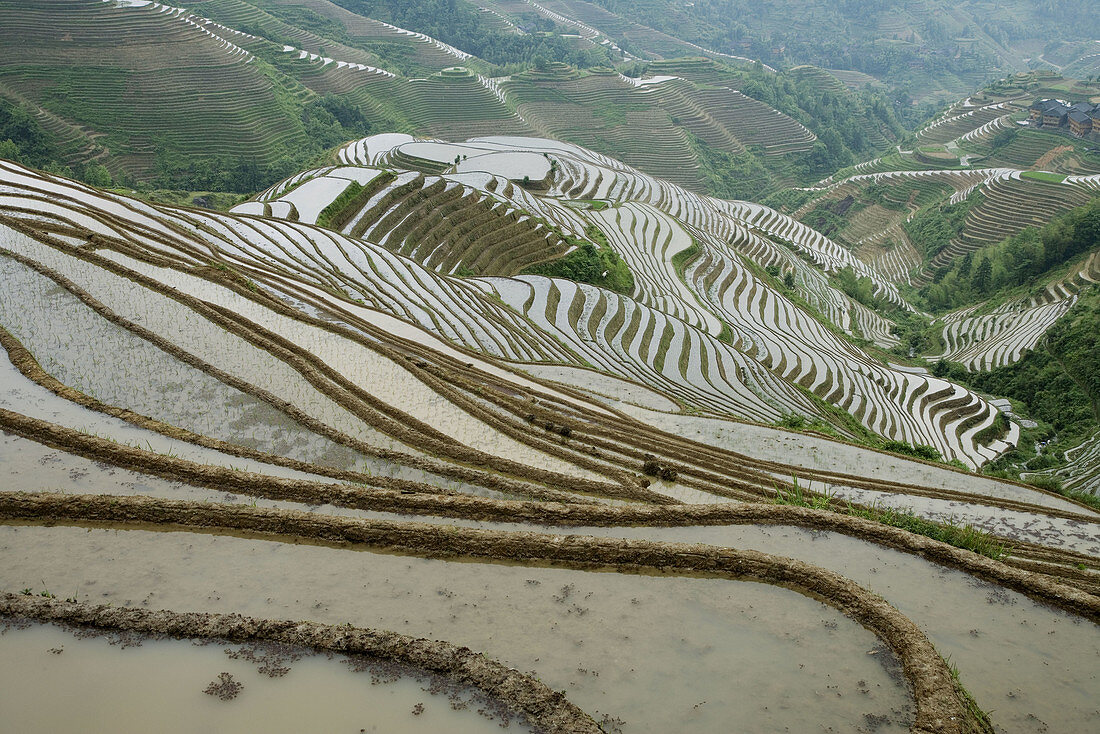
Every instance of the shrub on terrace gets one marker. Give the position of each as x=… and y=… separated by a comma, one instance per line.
x=921, y=451
x=589, y=263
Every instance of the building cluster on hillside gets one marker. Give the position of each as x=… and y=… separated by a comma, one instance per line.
x=1081, y=118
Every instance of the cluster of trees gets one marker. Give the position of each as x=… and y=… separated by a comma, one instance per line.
x=462, y=25
x=858, y=287
x=1020, y=260
x=840, y=121
x=728, y=175
x=932, y=230
x=829, y=217
x=23, y=140
x=240, y=174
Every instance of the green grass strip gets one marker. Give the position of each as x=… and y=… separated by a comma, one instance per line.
x=966, y=537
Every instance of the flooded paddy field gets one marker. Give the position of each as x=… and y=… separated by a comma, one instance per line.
x=67, y=679
x=656, y=652
x=1009, y=648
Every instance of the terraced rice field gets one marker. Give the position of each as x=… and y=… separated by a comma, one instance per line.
x=1082, y=473
x=208, y=415
x=717, y=292
x=1000, y=337
x=959, y=122
x=111, y=84
x=1010, y=204
x=88, y=55
x=426, y=52
x=873, y=228
x=1035, y=149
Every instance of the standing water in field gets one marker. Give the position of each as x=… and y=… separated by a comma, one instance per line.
x=655, y=652
x=52, y=680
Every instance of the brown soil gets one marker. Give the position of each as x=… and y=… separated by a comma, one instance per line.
x=547, y=710
x=1050, y=155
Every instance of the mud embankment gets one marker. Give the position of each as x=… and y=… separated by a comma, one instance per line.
x=1035, y=578
x=545, y=709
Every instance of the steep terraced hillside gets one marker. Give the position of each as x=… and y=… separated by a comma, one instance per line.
x=697, y=260
x=284, y=81
x=126, y=74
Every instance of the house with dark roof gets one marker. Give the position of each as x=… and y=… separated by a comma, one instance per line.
x=1080, y=123
x=1048, y=113
x=1054, y=114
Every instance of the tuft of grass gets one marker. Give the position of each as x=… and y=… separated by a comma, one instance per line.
x=963, y=536
x=796, y=496
x=1084, y=497
x=972, y=707
x=1054, y=484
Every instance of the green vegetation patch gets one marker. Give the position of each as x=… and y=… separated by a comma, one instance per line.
x=596, y=264
x=952, y=533
x=1044, y=176
x=933, y=229
x=1024, y=259
x=1057, y=384
x=339, y=204
x=24, y=140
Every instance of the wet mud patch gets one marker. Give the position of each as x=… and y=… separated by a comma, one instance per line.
x=53, y=679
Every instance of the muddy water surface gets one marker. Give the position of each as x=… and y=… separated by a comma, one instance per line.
x=659, y=653
x=1055, y=532
x=32, y=467
x=21, y=395
x=1036, y=668
x=813, y=452
x=57, y=680
x=1033, y=664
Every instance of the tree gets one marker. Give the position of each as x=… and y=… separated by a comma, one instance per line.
x=9, y=150
x=983, y=276
x=966, y=264
x=96, y=174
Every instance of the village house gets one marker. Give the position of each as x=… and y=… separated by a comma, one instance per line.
x=1054, y=114
x=1082, y=117
x=1048, y=113
x=1080, y=123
